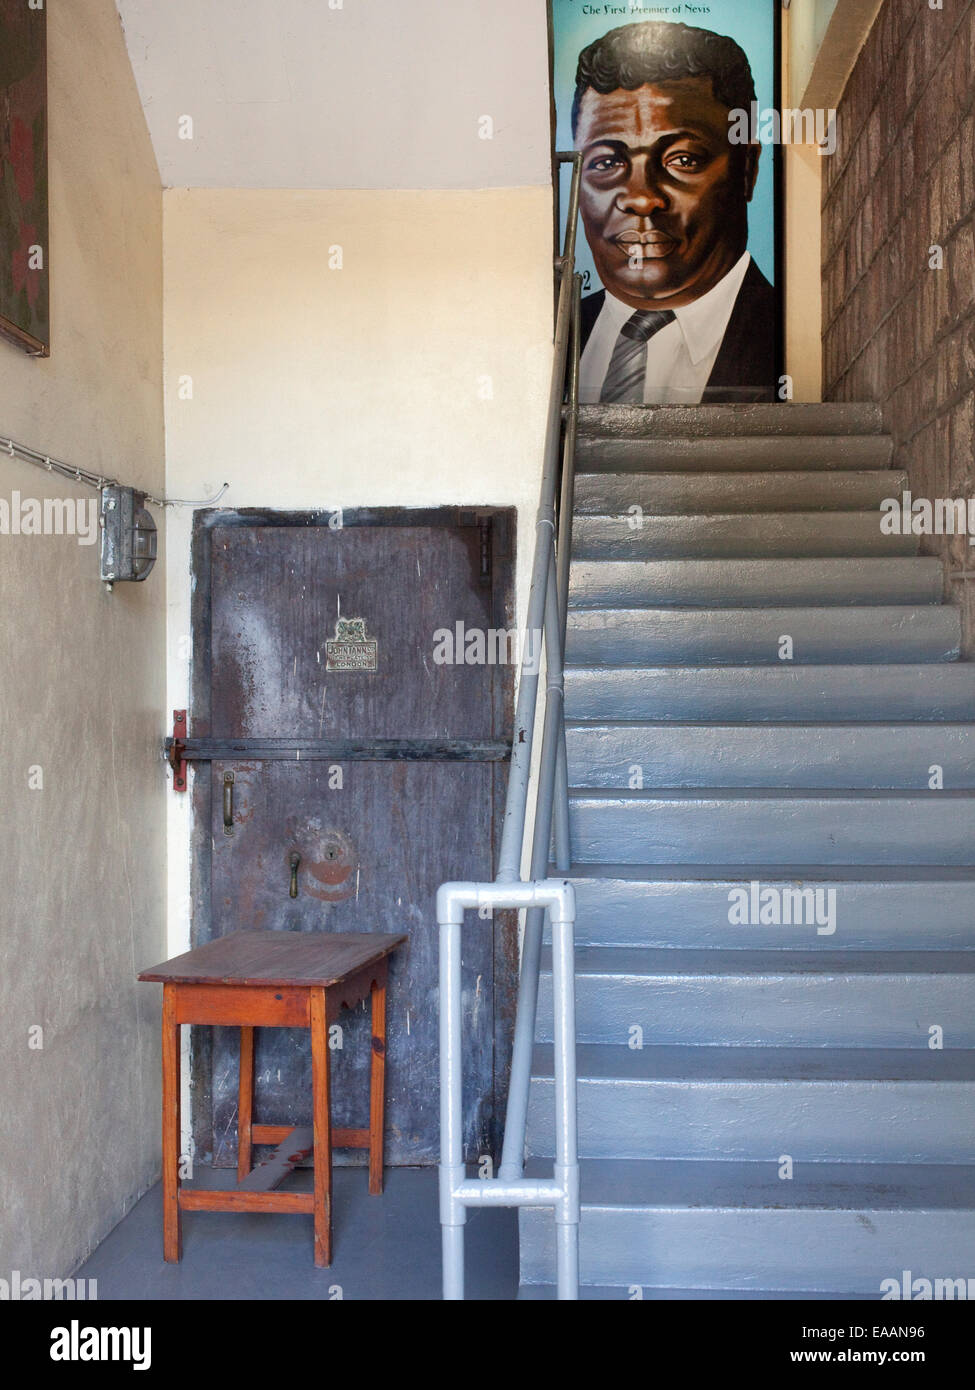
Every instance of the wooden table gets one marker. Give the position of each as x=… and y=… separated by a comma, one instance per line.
x=271, y=979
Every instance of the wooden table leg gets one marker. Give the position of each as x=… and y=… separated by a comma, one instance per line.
x=321, y=1128
x=245, y=1104
x=172, y=1236
x=377, y=1085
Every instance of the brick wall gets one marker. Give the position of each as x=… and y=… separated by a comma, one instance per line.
x=902, y=180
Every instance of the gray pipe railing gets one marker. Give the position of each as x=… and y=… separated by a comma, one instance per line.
x=547, y=615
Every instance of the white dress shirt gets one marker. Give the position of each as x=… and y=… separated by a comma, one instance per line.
x=680, y=357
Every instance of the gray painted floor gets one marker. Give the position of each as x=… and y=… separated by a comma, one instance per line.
x=384, y=1247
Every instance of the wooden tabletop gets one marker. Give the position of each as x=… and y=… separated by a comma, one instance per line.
x=276, y=958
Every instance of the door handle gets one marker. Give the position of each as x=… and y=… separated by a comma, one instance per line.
x=228, y=803
x=294, y=861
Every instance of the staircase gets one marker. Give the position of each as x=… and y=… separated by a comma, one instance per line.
x=702, y=763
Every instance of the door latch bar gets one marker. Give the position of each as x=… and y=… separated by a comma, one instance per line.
x=180, y=750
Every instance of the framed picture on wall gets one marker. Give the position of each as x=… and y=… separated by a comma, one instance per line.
x=24, y=290
x=679, y=200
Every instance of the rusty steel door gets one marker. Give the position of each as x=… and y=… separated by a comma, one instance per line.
x=352, y=770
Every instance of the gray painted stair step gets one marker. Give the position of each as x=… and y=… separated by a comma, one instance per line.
x=722, y=421
x=772, y=788
x=663, y=494
x=727, y=536
x=731, y=1224
x=757, y=693
x=742, y=455
x=860, y=827
x=891, y=907
x=748, y=998
x=845, y=756
x=865, y=1105
x=605, y=1293
x=647, y=636
x=754, y=583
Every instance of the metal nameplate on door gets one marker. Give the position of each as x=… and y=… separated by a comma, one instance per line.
x=350, y=649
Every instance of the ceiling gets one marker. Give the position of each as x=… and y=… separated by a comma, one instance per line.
x=369, y=94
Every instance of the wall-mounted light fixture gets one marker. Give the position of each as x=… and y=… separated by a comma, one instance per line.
x=128, y=535
x=129, y=540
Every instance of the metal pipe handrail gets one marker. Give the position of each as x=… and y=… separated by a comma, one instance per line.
x=519, y=773
x=547, y=613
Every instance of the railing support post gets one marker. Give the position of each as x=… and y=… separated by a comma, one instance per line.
x=512, y=1152
x=563, y=842
x=566, y=1126
x=457, y=1193
x=453, y=1214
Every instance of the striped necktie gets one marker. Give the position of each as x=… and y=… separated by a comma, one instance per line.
x=628, y=365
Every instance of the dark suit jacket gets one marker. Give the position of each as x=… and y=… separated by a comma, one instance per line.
x=745, y=367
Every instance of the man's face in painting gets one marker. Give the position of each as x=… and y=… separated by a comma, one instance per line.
x=664, y=193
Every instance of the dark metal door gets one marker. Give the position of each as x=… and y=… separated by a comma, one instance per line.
x=365, y=774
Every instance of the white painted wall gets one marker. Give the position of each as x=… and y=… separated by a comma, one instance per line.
x=344, y=93
x=802, y=26
x=820, y=43
x=808, y=21
x=81, y=692
x=824, y=39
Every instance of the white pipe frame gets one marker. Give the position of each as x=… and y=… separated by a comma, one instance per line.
x=457, y=1191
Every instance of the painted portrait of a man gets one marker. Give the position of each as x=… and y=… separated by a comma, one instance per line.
x=685, y=314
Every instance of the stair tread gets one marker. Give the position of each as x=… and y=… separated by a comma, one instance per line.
x=600, y=722
x=780, y=562
x=592, y=1293
x=671, y=453
x=766, y=693
x=894, y=756
x=646, y=613
x=682, y=794
x=843, y=581
x=666, y=1184
x=807, y=623
x=769, y=873
x=765, y=440
x=689, y=1064
x=715, y=534
x=775, y=418
x=688, y=633
x=744, y=494
x=702, y=535
x=818, y=515
x=683, y=962
x=785, y=671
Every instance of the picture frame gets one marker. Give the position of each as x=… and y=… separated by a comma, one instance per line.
x=24, y=191
x=755, y=26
